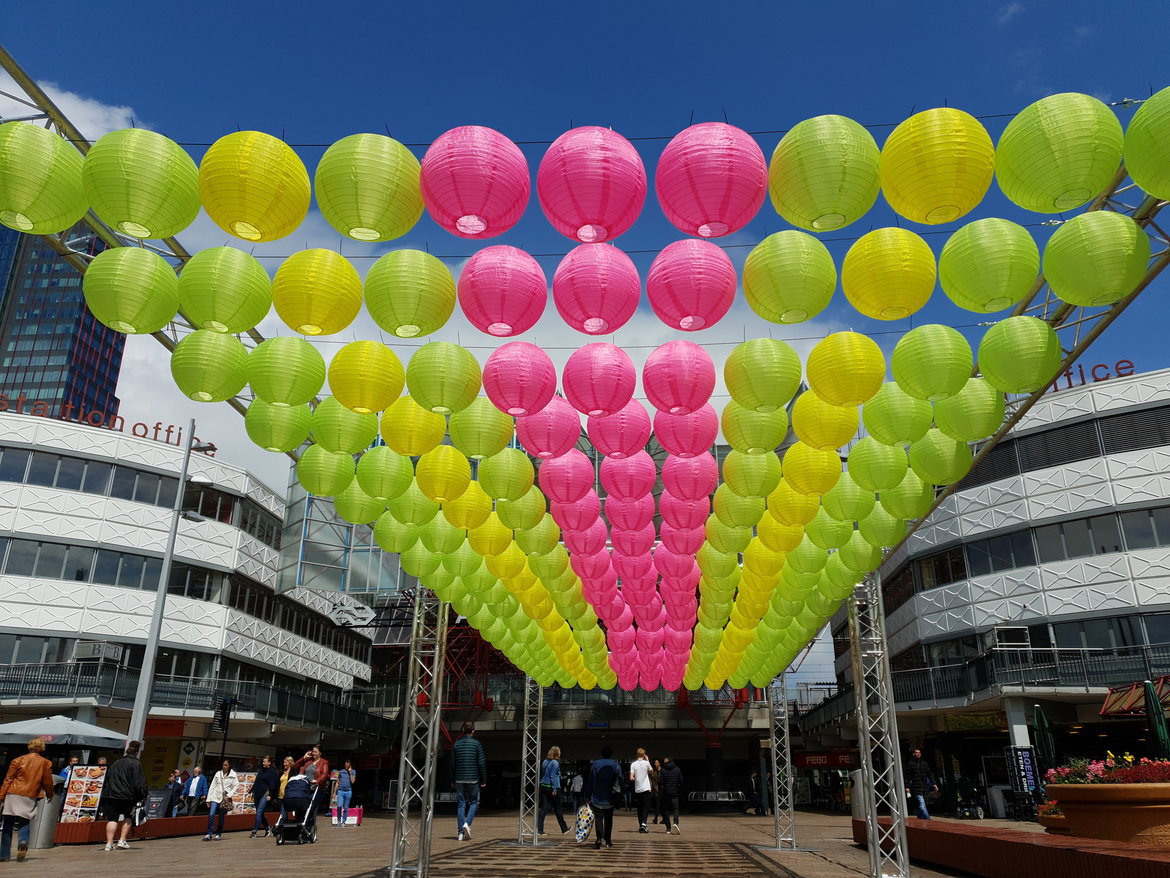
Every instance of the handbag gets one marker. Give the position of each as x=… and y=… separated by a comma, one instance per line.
x=227, y=804
x=584, y=823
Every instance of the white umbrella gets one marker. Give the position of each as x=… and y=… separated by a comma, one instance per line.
x=61, y=730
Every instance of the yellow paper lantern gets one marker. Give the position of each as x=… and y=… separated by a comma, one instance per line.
x=848, y=501
x=368, y=187
x=938, y=459
x=336, y=428
x=131, y=290
x=410, y=429
x=821, y=425
x=1097, y=258
x=972, y=414
x=443, y=473
x=776, y=536
x=932, y=362
x=937, y=166
x=988, y=265
x=811, y=471
x=225, y=290
x=893, y=417
x=277, y=428
x=254, y=186
x=481, y=430
x=209, y=366
x=383, y=473
x=41, y=191
x=1147, y=145
x=366, y=376
x=317, y=292
x=410, y=293
x=845, y=368
x=470, y=509
x=751, y=475
x=508, y=563
x=443, y=377
x=1019, y=354
x=492, y=537
x=790, y=507
x=324, y=473
x=753, y=432
x=762, y=374
x=286, y=371
x=888, y=274
x=789, y=277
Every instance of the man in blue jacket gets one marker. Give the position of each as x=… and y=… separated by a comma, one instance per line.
x=195, y=790
x=469, y=775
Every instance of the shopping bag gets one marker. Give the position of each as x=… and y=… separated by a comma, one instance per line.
x=584, y=822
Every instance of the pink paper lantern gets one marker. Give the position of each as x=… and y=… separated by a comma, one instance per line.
x=630, y=478
x=687, y=584
x=681, y=609
x=689, y=435
x=684, y=514
x=502, y=291
x=672, y=677
x=519, y=378
x=691, y=285
x=649, y=612
x=682, y=540
x=621, y=645
x=632, y=514
x=594, y=567
x=599, y=379
x=634, y=542
x=589, y=541
x=669, y=564
x=579, y=515
x=596, y=288
x=623, y=620
x=568, y=478
x=550, y=432
x=475, y=182
x=678, y=377
x=591, y=184
x=711, y=179
x=649, y=641
x=677, y=640
x=690, y=478
x=621, y=434
x=641, y=592
x=633, y=567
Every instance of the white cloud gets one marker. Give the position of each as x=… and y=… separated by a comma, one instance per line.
x=91, y=117
x=1006, y=13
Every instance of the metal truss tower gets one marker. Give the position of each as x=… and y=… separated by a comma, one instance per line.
x=530, y=760
x=783, y=813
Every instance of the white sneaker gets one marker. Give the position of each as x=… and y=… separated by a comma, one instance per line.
x=466, y=830
x=122, y=846
x=674, y=828
x=460, y=838
x=109, y=847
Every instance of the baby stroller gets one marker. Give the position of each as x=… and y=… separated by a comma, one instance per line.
x=296, y=825
x=969, y=805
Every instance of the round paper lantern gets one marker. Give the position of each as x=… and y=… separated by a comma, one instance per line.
x=462, y=562
x=1058, y=153
x=827, y=532
x=751, y=475
x=596, y=288
x=687, y=435
x=845, y=368
x=539, y=539
x=972, y=414
x=682, y=541
x=209, y=366
x=442, y=473
x=1147, y=148
x=413, y=508
x=443, y=377
x=589, y=541
x=726, y=538
x=131, y=290
x=791, y=507
x=684, y=514
x=938, y=459
x=411, y=430
x=776, y=536
x=932, y=362
x=910, y=498
x=621, y=434
x=317, y=292
x=550, y=432
x=324, y=473
x=789, y=277
x=277, y=428
x=988, y=265
x=490, y=538
x=690, y=478
x=591, y=184
x=1019, y=355
x=678, y=377
x=356, y=507
x=753, y=432
x=848, y=501
x=365, y=376
x=42, y=192
x=629, y=478
x=507, y=475
x=841, y=579
x=888, y=274
x=1096, y=258
x=419, y=561
x=691, y=284
x=470, y=509
x=286, y=371
x=141, y=183
x=599, y=379
x=711, y=179
x=409, y=293
x=811, y=471
x=568, y=478
x=480, y=430
x=634, y=542
x=368, y=187
x=893, y=417
x=630, y=514
x=384, y=474
x=823, y=426
x=225, y=290
x=859, y=555
x=734, y=510
x=440, y=537
x=336, y=428
x=502, y=290
x=879, y=528
x=475, y=182
x=875, y=466
x=808, y=557
x=519, y=378
x=762, y=374
x=393, y=536
x=824, y=173
x=937, y=166
x=254, y=186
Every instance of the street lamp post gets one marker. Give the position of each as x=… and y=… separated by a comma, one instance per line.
x=146, y=674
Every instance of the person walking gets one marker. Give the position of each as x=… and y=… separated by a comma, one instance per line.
x=288, y=771
x=469, y=771
x=604, y=775
x=655, y=802
x=175, y=788
x=919, y=782
x=755, y=794
x=195, y=790
x=321, y=782
x=29, y=778
x=264, y=789
x=221, y=798
x=345, y=779
x=577, y=787
x=124, y=787
x=640, y=778
x=669, y=789
x=550, y=791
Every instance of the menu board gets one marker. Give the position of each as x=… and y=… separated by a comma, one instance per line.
x=83, y=791
x=243, y=803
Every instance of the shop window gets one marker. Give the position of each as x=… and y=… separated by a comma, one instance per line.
x=1078, y=541
x=1161, y=517
x=1049, y=543
x=146, y=490
x=30, y=650
x=14, y=464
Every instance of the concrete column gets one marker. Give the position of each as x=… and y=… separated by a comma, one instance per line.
x=1017, y=719
x=86, y=713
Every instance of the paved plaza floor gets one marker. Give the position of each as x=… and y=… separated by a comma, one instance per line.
x=714, y=845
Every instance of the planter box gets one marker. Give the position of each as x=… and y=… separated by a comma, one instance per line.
x=1135, y=813
x=1056, y=824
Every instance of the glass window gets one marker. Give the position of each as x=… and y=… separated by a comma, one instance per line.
x=167, y=487
x=123, y=487
x=43, y=469
x=105, y=568
x=1138, y=528
x=1161, y=517
x=1049, y=545
x=1022, y=552
x=999, y=549
x=22, y=556
x=78, y=563
x=51, y=560
x=97, y=477
x=1077, y=539
x=30, y=650
x=7, y=648
x=151, y=571
x=978, y=558
x=227, y=508
x=69, y=473
x=1069, y=635
x=1106, y=534
x=1157, y=627
x=147, y=489
x=130, y=574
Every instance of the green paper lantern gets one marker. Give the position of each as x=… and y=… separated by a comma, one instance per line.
x=443, y=377
x=336, y=428
x=827, y=532
x=551, y=564
x=860, y=555
x=412, y=507
x=366, y=376
x=324, y=473
x=419, y=561
x=383, y=473
x=443, y=473
x=736, y=511
x=893, y=417
x=507, y=475
x=277, y=428
x=317, y=292
x=910, y=498
x=442, y=580
x=810, y=471
x=393, y=536
x=209, y=366
x=938, y=459
x=776, y=536
x=286, y=371
x=131, y=290
x=974, y=413
x=725, y=538
x=762, y=374
x=989, y=265
x=41, y=192
x=888, y=274
x=840, y=578
x=790, y=507
x=932, y=362
x=824, y=173
x=1019, y=355
x=821, y=425
x=141, y=183
x=481, y=430
x=368, y=187
x=789, y=277
x=410, y=429
x=356, y=506
x=1147, y=145
x=540, y=539
x=409, y=293
x=753, y=432
x=874, y=466
x=1058, y=153
x=440, y=537
x=751, y=475
x=470, y=509
x=845, y=368
x=808, y=557
x=524, y=512
x=848, y=501
x=1096, y=258
x=881, y=529
x=225, y=290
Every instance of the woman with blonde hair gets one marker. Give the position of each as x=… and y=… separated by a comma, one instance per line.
x=550, y=791
x=29, y=778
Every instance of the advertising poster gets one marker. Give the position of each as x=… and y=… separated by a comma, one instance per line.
x=159, y=759
x=243, y=800
x=83, y=791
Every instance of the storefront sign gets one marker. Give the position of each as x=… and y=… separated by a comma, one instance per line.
x=994, y=721
x=828, y=759
x=1082, y=374
x=1021, y=765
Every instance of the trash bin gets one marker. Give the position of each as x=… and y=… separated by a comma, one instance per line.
x=856, y=799
x=44, y=825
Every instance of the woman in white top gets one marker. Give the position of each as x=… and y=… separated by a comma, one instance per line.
x=220, y=797
x=640, y=775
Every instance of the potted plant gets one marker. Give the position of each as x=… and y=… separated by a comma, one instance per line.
x=1117, y=798
x=1052, y=818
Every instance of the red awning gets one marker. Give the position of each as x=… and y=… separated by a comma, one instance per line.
x=1130, y=700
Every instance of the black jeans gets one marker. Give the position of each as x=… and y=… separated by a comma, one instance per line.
x=550, y=802
x=669, y=804
x=643, y=801
x=603, y=823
